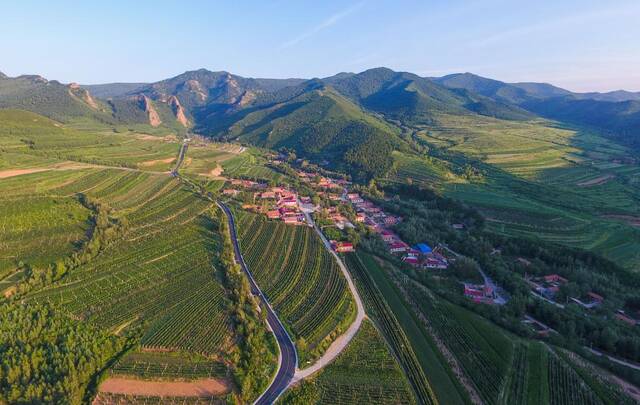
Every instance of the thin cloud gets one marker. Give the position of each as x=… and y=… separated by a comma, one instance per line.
x=583, y=18
x=328, y=22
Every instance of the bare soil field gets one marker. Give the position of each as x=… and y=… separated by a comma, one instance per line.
x=204, y=388
x=155, y=162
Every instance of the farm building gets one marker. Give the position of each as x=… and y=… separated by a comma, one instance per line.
x=622, y=316
x=398, y=247
x=411, y=260
x=387, y=236
x=273, y=214
x=479, y=293
x=342, y=247
x=423, y=248
x=592, y=300
x=355, y=198
x=230, y=191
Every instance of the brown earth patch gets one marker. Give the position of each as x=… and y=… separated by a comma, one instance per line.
x=630, y=220
x=17, y=172
x=596, y=181
x=58, y=166
x=216, y=172
x=155, y=162
x=149, y=137
x=204, y=388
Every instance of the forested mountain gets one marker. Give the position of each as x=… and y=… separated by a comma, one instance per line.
x=407, y=96
x=314, y=120
x=615, y=113
x=50, y=98
x=69, y=103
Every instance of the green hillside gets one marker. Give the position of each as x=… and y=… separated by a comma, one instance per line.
x=319, y=124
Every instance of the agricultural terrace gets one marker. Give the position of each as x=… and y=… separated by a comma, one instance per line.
x=38, y=230
x=207, y=158
x=251, y=164
x=416, y=360
x=300, y=279
x=169, y=248
x=365, y=373
x=167, y=366
x=36, y=136
x=534, y=179
x=504, y=369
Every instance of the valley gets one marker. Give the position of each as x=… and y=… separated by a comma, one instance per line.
x=125, y=216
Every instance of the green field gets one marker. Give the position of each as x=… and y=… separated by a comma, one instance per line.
x=169, y=249
x=168, y=366
x=535, y=180
x=365, y=373
x=300, y=279
x=429, y=376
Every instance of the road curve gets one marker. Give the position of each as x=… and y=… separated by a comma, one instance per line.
x=338, y=345
x=288, y=358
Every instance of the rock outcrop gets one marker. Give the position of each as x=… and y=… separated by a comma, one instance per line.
x=178, y=111
x=76, y=91
x=147, y=105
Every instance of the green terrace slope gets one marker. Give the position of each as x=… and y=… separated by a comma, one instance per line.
x=534, y=179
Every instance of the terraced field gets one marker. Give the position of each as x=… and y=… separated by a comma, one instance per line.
x=207, y=159
x=31, y=134
x=37, y=230
x=169, y=250
x=167, y=366
x=301, y=280
x=365, y=373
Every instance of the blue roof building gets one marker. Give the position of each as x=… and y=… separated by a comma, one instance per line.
x=423, y=248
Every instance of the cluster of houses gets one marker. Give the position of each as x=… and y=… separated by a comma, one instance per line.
x=275, y=202
x=281, y=204
x=480, y=293
x=546, y=286
x=631, y=318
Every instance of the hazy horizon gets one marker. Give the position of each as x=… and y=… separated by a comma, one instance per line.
x=579, y=45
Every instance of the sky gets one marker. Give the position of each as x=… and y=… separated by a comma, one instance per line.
x=581, y=45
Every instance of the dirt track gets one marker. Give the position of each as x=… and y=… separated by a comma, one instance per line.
x=207, y=387
x=596, y=181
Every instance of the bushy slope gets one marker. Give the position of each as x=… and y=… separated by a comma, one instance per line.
x=48, y=98
x=409, y=97
x=318, y=123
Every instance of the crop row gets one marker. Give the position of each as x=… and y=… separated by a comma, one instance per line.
x=297, y=274
x=392, y=331
x=483, y=352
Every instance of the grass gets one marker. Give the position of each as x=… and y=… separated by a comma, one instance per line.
x=528, y=180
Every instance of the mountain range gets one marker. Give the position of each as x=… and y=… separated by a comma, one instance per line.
x=347, y=118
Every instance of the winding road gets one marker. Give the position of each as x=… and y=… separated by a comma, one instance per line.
x=338, y=345
x=288, y=358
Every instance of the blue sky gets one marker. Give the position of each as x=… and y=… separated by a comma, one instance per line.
x=581, y=45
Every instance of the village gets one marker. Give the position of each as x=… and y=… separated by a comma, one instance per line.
x=284, y=204
x=336, y=208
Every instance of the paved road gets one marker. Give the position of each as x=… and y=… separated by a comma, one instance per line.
x=288, y=359
x=181, y=154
